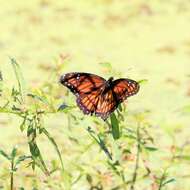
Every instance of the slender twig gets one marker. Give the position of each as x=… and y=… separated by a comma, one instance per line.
x=137, y=160
x=12, y=179
x=162, y=180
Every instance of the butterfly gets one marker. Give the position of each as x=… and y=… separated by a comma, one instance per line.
x=98, y=96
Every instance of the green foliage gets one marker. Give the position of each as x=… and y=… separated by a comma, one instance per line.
x=31, y=120
x=19, y=78
x=122, y=138
x=14, y=162
x=115, y=127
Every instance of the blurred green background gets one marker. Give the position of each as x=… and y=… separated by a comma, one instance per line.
x=141, y=39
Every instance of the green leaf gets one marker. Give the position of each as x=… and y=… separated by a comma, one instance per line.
x=114, y=167
x=89, y=178
x=35, y=151
x=142, y=81
x=14, y=152
x=100, y=142
x=39, y=98
x=37, y=157
x=62, y=107
x=23, y=124
x=168, y=181
x=151, y=148
x=115, y=127
x=130, y=136
x=54, y=144
x=120, y=107
x=5, y=155
x=19, y=77
x=65, y=108
x=21, y=159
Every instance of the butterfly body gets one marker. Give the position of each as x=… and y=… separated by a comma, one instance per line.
x=98, y=96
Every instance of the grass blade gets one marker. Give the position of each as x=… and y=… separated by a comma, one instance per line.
x=35, y=151
x=55, y=146
x=100, y=143
x=5, y=155
x=19, y=77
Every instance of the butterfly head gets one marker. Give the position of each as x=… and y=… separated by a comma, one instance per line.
x=110, y=79
x=109, y=82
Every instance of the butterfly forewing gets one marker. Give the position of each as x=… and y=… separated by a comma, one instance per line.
x=81, y=83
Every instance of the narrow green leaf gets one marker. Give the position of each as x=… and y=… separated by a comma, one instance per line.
x=35, y=151
x=65, y=108
x=37, y=157
x=151, y=148
x=39, y=98
x=120, y=107
x=19, y=77
x=100, y=142
x=54, y=144
x=89, y=178
x=130, y=136
x=115, y=127
x=168, y=181
x=21, y=159
x=23, y=124
x=14, y=152
x=5, y=155
x=142, y=81
x=114, y=167
x=103, y=147
x=62, y=107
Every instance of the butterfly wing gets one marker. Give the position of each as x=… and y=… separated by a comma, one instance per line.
x=88, y=102
x=119, y=91
x=97, y=102
x=94, y=97
x=82, y=83
x=123, y=88
x=106, y=104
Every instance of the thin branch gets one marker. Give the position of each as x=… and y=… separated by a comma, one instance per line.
x=162, y=180
x=137, y=160
x=12, y=179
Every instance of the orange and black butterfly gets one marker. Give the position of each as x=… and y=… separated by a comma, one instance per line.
x=97, y=95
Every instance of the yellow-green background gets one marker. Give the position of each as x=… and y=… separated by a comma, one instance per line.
x=141, y=39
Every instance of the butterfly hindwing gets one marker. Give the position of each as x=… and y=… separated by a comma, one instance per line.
x=107, y=103
x=97, y=102
x=124, y=88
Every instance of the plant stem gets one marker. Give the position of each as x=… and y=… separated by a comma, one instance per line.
x=137, y=160
x=161, y=181
x=12, y=179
